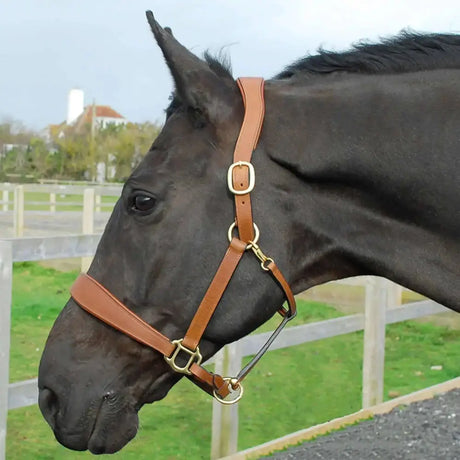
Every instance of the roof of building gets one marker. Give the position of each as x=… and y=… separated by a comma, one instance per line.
x=105, y=111
x=85, y=119
x=100, y=111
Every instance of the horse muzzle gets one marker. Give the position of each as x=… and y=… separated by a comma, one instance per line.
x=102, y=426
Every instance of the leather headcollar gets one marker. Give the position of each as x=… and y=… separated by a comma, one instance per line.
x=98, y=301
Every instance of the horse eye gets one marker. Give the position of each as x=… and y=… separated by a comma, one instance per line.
x=143, y=203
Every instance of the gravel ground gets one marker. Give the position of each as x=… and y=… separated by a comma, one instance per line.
x=424, y=430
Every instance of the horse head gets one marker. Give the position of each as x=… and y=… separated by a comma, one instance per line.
x=159, y=251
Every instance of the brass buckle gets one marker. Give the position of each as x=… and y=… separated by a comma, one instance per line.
x=171, y=360
x=252, y=178
x=234, y=385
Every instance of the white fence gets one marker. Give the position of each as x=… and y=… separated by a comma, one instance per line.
x=12, y=199
x=227, y=361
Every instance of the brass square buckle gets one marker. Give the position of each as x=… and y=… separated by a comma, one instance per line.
x=252, y=177
x=195, y=357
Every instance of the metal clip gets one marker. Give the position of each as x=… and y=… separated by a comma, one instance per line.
x=264, y=260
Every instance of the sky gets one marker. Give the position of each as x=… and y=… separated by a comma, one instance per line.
x=105, y=47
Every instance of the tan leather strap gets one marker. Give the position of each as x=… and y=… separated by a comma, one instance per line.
x=97, y=300
x=276, y=273
x=209, y=382
x=252, y=91
x=213, y=294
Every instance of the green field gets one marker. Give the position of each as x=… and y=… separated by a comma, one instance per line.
x=289, y=390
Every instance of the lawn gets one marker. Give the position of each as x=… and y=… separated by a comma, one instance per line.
x=289, y=389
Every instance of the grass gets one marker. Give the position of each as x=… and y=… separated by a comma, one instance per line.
x=289, y=389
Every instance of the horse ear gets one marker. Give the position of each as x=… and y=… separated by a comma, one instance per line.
x=197, y=84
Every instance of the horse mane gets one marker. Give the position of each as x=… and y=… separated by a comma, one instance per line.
x=407, y=52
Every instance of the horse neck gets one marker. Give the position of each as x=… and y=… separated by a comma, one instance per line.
x=369, y=165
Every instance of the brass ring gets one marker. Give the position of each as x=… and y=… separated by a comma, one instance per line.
x=256, y=234
x=234, y=385
x=266, y=263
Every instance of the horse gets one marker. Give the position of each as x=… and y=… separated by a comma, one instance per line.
x=357, y=165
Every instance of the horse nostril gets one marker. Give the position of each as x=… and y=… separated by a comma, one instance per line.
x=49, y=405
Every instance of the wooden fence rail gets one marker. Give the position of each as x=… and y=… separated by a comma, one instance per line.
x=228, y=360
x=91, y=200
x=105, y=190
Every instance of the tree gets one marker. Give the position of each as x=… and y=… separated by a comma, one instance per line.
x=14, y=141
x=124, y=146
x=74, y=153
x=70, y=153
x=41, y=159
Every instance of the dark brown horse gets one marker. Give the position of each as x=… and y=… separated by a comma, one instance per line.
x=357, y=168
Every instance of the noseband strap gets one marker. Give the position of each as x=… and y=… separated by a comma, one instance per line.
x=90, y=295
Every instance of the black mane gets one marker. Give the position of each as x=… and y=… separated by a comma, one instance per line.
x=407, y=52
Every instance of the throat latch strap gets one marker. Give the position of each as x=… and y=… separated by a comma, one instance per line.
x=98, y=301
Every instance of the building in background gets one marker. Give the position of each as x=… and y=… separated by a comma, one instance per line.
x=98, y=116
x=80, y=116
x=75, y=105
x=87, y=120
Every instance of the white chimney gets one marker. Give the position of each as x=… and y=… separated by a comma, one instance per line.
x=75, y=105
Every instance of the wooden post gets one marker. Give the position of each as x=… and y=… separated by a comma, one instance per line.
x=6, y=284
x=98, y=203
x=225, y=418
x=374, y=341
x=5, y=198
x=87, y=222
x=19, y=211
x=52, y=202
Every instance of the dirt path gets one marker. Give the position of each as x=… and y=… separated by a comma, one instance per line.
x=425, y=430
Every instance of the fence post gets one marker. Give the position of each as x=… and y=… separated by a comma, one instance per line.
x=87, y=223
x=52, y=202
x=19, y=211
x=225, y=418
x=394, y=295
x=6, y=283
x=98, y=203
x=5, y=198
x=374, y=340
